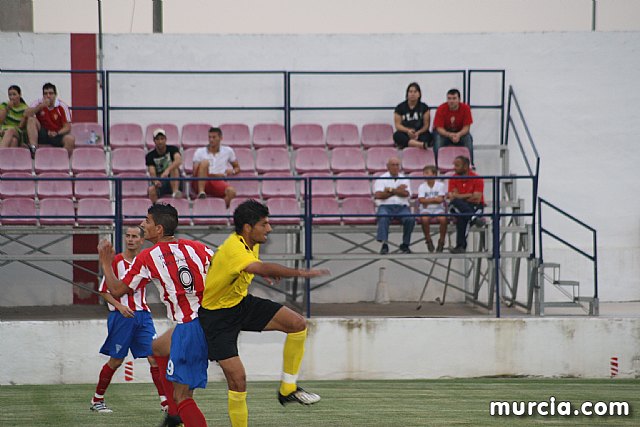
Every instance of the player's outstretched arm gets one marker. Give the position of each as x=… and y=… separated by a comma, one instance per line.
x=270, y=269
x=116, y=287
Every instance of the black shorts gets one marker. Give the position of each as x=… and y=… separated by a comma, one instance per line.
x=164, y=189
x=45, y=139
x=222, y=326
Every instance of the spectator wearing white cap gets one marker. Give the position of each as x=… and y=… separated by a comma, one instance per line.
x=164, y=162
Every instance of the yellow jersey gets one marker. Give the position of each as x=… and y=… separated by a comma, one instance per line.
x=227, y=282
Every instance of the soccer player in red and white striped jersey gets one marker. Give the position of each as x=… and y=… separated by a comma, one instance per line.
x=130, y=325
x=179, y=267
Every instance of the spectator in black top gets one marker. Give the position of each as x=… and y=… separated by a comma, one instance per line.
x=164, y=161
x=412, y=120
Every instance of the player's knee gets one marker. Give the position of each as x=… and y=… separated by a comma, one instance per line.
x=298, y=324
x=231, y=192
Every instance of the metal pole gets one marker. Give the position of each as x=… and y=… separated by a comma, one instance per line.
x=118, y=220
x=593, y=15
x=100, y=52
x=496, y=240
x=157, y=16
x=307, y=239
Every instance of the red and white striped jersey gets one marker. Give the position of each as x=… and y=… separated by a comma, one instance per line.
x=137, y=300
x=180, y=268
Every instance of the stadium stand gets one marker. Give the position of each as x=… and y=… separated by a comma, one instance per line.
x=283, y=206
x=187, y=160
x=246, y=188
x=319, y=187
x=193, y=135
x=347, y=159
x=311, y=159
x=269, y=135
x=82, y=133
x=125, y=135
x=100, y=188
x=377, y=135
x=377, y=158
x=353, y=187
x=16, y=159
x=358, y=206
x=134, y=210
x=88, y=159
x=446, y=156
x=307, y=135
x=245, y=158
x=134, y=188
x=54, y=188
x=21, y=208
x=51, y=159
x=60, y=207
x=415, y=159
x=342, y=135
x=272, y=159
x=209, y=206
x=128, y=160
x=236, y=135
x=95, y=206
x=325, y=206
x=278, y=188
x=9, y=189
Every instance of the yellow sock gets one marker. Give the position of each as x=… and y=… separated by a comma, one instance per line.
x=292, y=358
x=238, y=412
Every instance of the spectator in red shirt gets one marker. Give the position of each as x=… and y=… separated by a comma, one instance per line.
x=452, y=123
x=466, y=197
x=49, y=121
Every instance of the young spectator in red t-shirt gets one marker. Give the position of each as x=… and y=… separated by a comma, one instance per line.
x=49, y=121
x=452, y=123
x=466, y=197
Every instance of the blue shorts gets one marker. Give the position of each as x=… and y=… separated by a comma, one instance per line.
x=135, y=333
x=188, y=358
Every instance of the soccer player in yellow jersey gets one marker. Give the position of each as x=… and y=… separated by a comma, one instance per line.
x=227, y=308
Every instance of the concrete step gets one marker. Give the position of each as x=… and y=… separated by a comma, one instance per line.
x=549, y=265
x=566, y=283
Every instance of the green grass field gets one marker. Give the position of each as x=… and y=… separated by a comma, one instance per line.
x=344, y=403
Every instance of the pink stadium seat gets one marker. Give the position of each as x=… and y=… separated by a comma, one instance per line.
x=26, y=188
x=48, y=189
x=353, y=187
x=342, y=135
x=246, y=188
x=134, y=188
x=209, y=206
x=325, y=206
x=51, y=159
x=82, y=132
x=235, y=202
x=127, y=160
x=278, y=188
x=283, y=206
x=272, y=160
x=60, y=206
x=446, y=156
x=307, y=135
x=187, y=160
x=377, y=158
x=95, y=207
x=414, y=184
x=347, y=159
x=89, y=189
x=377, y=135
x=195, y=135
x=173, y=135
x=415, y=159
x=21, y=208
x=320, y=187
x=88, y=159
x=182, y=206
x=245, y=159
x=269, y=135
x=15, y=159
x=236, y=135
x=125, y=135
x=358, y=206
x=311, y=159
x=135, y=210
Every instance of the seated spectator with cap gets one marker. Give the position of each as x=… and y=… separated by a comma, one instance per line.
x=164, y=162
x=215, y=160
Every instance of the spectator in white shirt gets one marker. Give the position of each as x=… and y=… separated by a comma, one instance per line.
x=392, y=193
x=215, y=160
x=431, y=195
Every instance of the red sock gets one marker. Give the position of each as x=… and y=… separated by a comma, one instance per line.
x=190, y=414
x=167, y=386
x=155, y=376
x=104, y=379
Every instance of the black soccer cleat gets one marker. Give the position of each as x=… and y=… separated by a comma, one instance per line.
x=171, y=421
x=300, y=396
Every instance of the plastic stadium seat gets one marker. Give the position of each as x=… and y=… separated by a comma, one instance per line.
x=245, y=159
x=446, y=156
x=414, y=184
x=129, y=160
x=173, y=135
x=48, y=189
x=20, y=207
x=26, y=188
x=377, y=135
x=246, y=188
x=187, y=160
x=325, y=206
x=272, y=160
x=311, y=159
x=89, y=189
x=209, y=206
x=134, y=188
x=51, y=159
x=269, y=135
x=94, y=207
x=183, y=208
x=236, y=135
x=88, y=159
x=195, y=135
x=125, y=135
x=15, y=159
x=135, y=210
x=283, y=206
x=347, y=159
x=307, y=135
x=82, y=132
x=377, y=158
x=320, y=187
x=358, y=206
x=235, y=202
x=415, y=159
x=342, y=135
x=353, y=187
x=278, y=188
x=62, y=207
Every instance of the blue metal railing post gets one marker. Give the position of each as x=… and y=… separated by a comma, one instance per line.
x=287, y=106
x=104, y=103
x=308, y=248
x=106, y=123
x=495, y=218
x=595, y=265
x=118, y=220
x=541, y=257
x=502, y=108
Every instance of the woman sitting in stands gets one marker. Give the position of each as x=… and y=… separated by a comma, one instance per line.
x=12, y=120
x=412, y=120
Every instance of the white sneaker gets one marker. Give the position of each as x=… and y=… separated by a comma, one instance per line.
x=100, y=407
x=300, y=396
x=177, y=195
